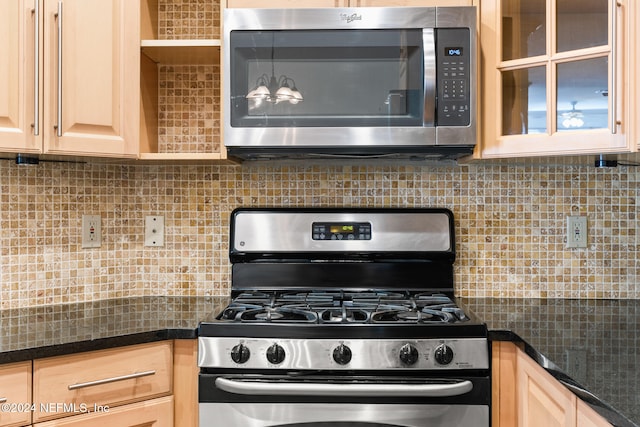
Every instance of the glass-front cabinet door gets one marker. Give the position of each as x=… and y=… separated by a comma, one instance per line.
x=556, y=77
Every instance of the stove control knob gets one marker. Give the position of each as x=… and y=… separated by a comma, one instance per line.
x=342, y=354
x=409, y=354
x=443, y=354
x=275, y=354
x=240, y=353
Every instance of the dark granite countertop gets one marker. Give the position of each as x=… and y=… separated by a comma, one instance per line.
x=36, y=332
x=590, y=345
x=602, y=333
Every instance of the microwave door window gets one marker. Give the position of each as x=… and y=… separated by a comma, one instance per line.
x=345, y=78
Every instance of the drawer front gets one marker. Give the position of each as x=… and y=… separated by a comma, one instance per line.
x=75, y=384
x=15, y=394
x=150, y=413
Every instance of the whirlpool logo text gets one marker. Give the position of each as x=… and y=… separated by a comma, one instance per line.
x=350, y=17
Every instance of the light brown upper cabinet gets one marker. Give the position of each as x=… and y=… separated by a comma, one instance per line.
x=17, y=85
x=557, y=77
x=69, y=77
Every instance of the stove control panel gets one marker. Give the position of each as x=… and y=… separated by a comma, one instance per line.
x=374, y=231
x=341, y=231
x=355, y=354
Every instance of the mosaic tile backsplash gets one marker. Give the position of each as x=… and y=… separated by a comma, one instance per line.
x=510, y=220
x=510, y=224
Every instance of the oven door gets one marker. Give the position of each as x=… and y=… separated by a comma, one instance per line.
x=317, y=400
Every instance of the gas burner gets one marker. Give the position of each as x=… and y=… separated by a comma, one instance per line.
x=405, y=315
x=415, y=314
x=277, y=314
x=344, y=315
x=233, y=311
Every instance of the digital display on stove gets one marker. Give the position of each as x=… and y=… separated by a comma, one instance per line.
x=341, y=231
x=349, y=228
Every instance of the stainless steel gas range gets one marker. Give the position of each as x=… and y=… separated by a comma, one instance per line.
x=343, y=317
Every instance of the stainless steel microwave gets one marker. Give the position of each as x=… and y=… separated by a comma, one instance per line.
x=350, y=82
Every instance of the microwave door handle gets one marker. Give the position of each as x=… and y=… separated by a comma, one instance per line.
x=429, y=88
x=341, y=389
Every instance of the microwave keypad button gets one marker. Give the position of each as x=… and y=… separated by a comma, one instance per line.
x=453, y=59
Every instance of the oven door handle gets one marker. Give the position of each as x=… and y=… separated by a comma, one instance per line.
x=324, y=389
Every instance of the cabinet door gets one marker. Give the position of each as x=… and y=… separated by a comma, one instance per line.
x=286, y=3
x=587, y=417
x=92, y=77
x=555, y=77
x=151, y=413
x=15, y=389
x=524, y=394
x=542, y=401
x=504, y=362
x=18, y=84
x=633, y=9
x=185, y=386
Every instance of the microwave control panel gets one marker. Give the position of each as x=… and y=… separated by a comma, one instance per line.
x=453, y=76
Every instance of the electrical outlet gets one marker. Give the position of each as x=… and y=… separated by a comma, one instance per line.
x=91, y=231
x=576, y=231
x=154, y=230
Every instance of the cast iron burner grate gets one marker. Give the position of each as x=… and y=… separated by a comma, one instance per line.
x=342, y=307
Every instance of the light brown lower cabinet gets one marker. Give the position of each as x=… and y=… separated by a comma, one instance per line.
x=587, y=417
x=151, y=385
x=149, y=413
x=102, y=378
x=526, y=395
x=15, y=394
x=185, y=382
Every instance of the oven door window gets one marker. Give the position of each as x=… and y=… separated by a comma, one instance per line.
x=326, y=78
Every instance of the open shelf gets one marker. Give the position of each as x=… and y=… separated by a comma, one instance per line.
x=196, y=52
x=180, y=78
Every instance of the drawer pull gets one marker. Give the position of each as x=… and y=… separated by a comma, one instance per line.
x=3, y=399
x=111, y=380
